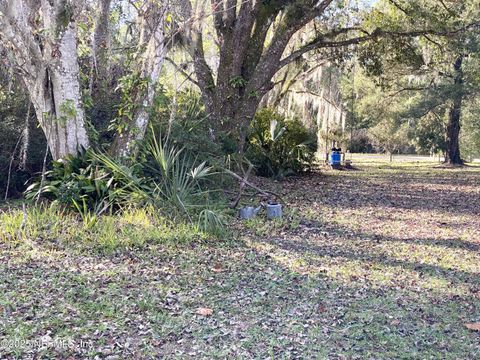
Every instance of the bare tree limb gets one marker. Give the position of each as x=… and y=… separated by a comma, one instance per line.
x=264, y=192
x=181, y=71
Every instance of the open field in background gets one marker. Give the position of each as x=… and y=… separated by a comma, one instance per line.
x=380, y=262
x=385, y=158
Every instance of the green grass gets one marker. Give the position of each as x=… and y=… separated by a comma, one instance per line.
x=51, y=226
x=377, y=263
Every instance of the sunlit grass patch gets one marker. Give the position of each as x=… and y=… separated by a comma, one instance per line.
x=52, y=225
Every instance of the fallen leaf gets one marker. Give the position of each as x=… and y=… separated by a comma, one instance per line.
x=395, y=322
x=474, y=327
x=217, y=268
x=204, y=311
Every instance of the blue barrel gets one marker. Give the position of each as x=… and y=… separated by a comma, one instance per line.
x=335, y=158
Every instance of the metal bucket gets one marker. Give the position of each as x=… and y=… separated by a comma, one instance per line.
x=248, y=212
x=274, y=211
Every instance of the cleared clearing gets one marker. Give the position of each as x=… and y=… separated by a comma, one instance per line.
x=382, y=262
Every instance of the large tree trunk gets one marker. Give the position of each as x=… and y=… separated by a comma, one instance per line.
x=248, y=56
x=57, y=98
x=49, y=68
x=233, y=118
x=102, y=71
x=151, y=56
x=453, y=133
x=453, y=128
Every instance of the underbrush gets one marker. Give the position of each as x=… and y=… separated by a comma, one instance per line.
x=163, y=178
x=56, y=226
x=279, y=147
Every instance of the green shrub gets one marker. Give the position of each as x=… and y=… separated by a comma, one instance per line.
x=279, y=147
x=185, y=124
x=360, y=142
x=84, y=183
x=166, y=178
x=175, y=179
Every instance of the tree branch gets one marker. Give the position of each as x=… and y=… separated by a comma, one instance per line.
x=320, y=42
x=399, y=7
x=181, y=71
x=245, y=182
x=296, y=16
x=420, y=88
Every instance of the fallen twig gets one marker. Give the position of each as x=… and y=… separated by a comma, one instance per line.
x=245, y=182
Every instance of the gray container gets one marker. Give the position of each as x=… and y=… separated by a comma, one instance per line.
x=274, y=211
x=248, y=212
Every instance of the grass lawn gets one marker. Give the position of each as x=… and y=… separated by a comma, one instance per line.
x=383, y=263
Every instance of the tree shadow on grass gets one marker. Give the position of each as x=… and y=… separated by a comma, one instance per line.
x=261, y=308
x=454, y=243
x=396, y=191
x=450, y=242
x=365, y=255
